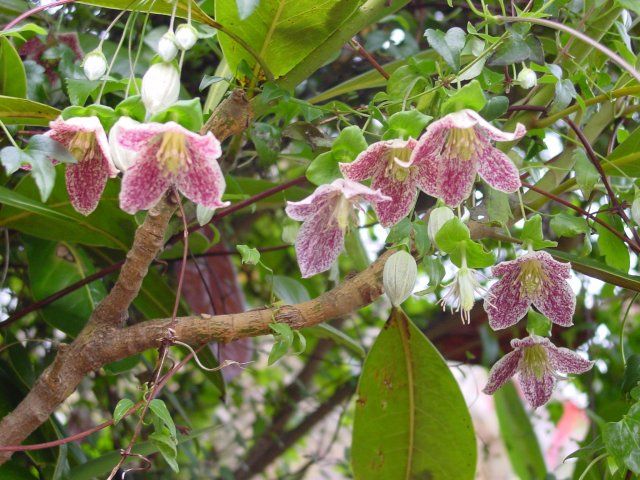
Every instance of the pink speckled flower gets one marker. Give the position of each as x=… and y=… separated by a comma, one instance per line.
x=87, y=141
x=170, y=155
x=327, y=214
x=387, y=163
x=537, y=362
x=455, y=148
x=534, y=278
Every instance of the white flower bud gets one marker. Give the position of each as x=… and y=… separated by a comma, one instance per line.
x=527, y=78
x=122, y=157
x=437, y=218
x=635, y=210
x=167, y=48
x=95, y=65
x=160, y=87
x=186, y=36
x=399, y=277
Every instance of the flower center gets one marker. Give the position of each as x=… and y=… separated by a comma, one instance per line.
x=172, y=154
x=344, y=213
x=460, y=143
x=82, y=145
x=395, y=170
x=535, y=360
x=532, y=278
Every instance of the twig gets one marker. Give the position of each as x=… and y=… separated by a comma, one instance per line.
x=367, y=56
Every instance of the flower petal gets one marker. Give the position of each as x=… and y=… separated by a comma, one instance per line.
x=202, y=181
x=503, y=303
x=368, y=163
x=456, y=178
x=502, y=371
x=403, y=195
x=493, y=133
x=319, y=242
x=497, y=169
x=536, y=390
x=355, y=191
x=564, y=360
x=85, y=182
x=426, y=157
x=143, y=184
x=136, y=137
x=557, y=300
x=307, y=206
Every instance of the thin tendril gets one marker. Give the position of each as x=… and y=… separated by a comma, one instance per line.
x=624, y=321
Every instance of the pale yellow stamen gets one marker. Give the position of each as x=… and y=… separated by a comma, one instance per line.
x=344, y=213
x=395, y=170
x=532, y=278
x=460, y=143
x=535, y=360
x=172, y=154
x=83, y=145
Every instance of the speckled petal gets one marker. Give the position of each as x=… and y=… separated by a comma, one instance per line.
x=536, y=390
x=503, y=303
x=356, y=192
x=319, y=242
x=502, y=371
x=426, y=157
x=85, y=183
x=136, y=137
x=143, y=184
x=308, y=206
x=368, y=163
x=497, y=169
x=564, y=360
x=456, y=178
x=403, y=195
x=202, y=181
x=557, y=300
x=493, y=133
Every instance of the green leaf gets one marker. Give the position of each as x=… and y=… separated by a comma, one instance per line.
x=160, y=410
x=565, y=225
x=406, y=125
x=586, y=174
x=514, y=50
x=346, y=147
x=612, y=248
x=286, y=33
x=279, y=350
x=283, y=331
x=498, y=207
x=13, y=78
x=399, y=232
x=470, y=96
x=324, y=330
x=289, y=290
x=454, y=238
x=164, y=8
x=631, y=377
x=246, y=8
x=249, y=255
x=13, y=158
x=122, y=407
x=106, y=115
x=132, y=107
x=168, y=449
x=19, y=111
x=411, y=420
x=532, y=234
x=622, y=439
x=448, y=45
x=187, y=113
x=518, y=435
x=495, y=108
x=538, y=324
x=30, y=28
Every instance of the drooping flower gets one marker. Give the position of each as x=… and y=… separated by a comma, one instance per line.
x=160, y=87
x=399, y=277
x=167, y=48
x=122, y=157
x=437, y=218
x=327, y=214
x=527, y=78
x=87, y=141
x=461, y=292
x=186, y=36
x=168, y=154
x=455, y=148
x=94, y=65
x=534, y=278
x=537, y=362
x=387, y=163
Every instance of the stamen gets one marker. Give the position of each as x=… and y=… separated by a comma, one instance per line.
x=396, y=156
x=535, y=361
x=460, y=144
x=83, y=145
x=172, y=154
x=532, y=278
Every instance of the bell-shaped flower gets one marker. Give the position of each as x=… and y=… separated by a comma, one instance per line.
x=456, y=148
x=186, y=36
x=87, y=141
x=94, y=65
x=122, y=157
x=387, y=164
x=461, y=293
x=160, y=87
x=534, y=278
x=537, y=362
x=167, y=48
x=170, y=155
x=327, y=214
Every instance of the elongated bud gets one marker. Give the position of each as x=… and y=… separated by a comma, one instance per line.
x=160, y=87
x=527, y=78
x=186, y=36
x=122, y=157
x=94, y=65
x=167, y=48
x=437, y=218
x=399, y=277
x=635, y=208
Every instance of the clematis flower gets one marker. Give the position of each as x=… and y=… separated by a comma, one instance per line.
x=387, y=163
x=87, y=141
x=534, y=278
x=456, y=147
x=461, y=293
x=537, y=362
x=170, y=155
x=327, y=214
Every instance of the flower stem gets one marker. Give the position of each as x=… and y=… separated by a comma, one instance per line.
x=6, y=132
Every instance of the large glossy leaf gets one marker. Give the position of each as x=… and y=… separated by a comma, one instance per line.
x=162, y=7
x=19, y=111
x=411, y=419
x=54, y=266
x=518, y=435
x=13, y=79
x=107, y=226
x=282, y=32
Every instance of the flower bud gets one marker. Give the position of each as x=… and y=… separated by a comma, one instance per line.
x=635, y=209
x=527, y=78
x=399, y=277
x=186, y=36
x=95, y=65
x=122, y=157
x=167, y=48
x=160, y=87
x=437, y=218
